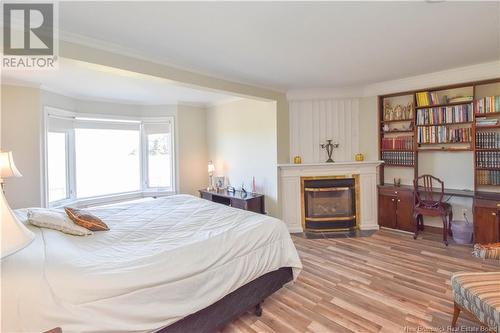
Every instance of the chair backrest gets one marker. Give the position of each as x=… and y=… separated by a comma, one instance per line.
x=423, y=188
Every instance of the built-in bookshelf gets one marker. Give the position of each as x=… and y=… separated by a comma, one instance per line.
x=455, y=118
x=398, y=131
x=487, y=136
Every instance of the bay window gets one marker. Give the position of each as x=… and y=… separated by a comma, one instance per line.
x=97, y=157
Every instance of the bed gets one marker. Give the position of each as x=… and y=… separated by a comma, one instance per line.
x=166, y=265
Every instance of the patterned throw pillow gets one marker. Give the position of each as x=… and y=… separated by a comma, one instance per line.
x=487, y=251
x=55, y=219
x=85, y=219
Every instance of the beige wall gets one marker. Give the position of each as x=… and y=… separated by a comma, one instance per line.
x=368, y=136
x=21, y=133
x=242, y=144
x=193, y=149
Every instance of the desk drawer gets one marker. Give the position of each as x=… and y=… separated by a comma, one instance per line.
x=391, y=191
x=487, y=203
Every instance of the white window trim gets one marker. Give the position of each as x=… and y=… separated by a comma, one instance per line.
x=144, y=191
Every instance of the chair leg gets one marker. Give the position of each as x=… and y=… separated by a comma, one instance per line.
x=456, y=313
x=450, y=218
x=445, y=230
x=417, y=227
x=421, y=217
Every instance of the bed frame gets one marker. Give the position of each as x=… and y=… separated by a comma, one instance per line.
x=249, y=297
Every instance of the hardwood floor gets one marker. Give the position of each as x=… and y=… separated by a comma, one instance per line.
x=387, y=282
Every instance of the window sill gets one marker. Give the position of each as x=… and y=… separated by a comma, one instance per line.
x=111, y=199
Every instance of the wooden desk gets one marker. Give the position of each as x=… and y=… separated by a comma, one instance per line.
x=247, y=201
x=396, y=210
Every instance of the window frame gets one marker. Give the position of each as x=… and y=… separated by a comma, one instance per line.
x=144, y=190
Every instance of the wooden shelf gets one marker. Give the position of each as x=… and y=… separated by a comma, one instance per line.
x=487, y=114
x=397, y=121
x=487, y=127
x=442, y=105
x=487, y=149
x=445, y=149
x=443, y=143
x=399, y=165
x=446, y=124
x=490, y=169
x=399, y=131
x=399, y=150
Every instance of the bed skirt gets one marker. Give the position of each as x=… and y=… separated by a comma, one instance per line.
x=230, y=307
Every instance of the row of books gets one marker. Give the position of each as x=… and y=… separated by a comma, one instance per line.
x=398, y=158
x=488, y=177
x=488, y=159
x=488, y=104
x=426, y=98
x=398, y=142
x=445, y=115
x=485, y=121
x=443, y=134
x=487, y=140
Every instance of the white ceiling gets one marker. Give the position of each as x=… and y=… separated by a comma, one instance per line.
x=89, y=81
x=294, y=45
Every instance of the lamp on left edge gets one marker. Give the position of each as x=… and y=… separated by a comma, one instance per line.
x=15, y=236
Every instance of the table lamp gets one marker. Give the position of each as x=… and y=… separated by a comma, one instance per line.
x=15, y=235
x=211, y=169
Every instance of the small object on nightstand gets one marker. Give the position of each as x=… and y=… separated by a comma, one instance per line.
x=231, y=189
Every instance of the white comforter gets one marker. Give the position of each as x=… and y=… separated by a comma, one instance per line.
x=161, y=261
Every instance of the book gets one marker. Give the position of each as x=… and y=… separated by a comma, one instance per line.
x=488, y=104
x=445, y=115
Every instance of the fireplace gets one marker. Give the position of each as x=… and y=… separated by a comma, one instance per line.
x=330, y=203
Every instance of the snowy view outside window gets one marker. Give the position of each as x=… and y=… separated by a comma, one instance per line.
x=107, y=161
x=159, y=160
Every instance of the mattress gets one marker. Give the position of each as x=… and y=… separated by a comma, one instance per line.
x=161, y=261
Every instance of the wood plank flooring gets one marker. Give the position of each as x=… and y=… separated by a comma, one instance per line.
x=387, y=282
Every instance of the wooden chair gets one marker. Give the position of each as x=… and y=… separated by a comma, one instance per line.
x=427, y=205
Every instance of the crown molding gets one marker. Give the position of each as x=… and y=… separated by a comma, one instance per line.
x=477, y=72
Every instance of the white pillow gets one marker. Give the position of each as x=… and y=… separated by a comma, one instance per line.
x=57, y=220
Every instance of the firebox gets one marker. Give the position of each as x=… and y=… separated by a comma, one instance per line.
x=329, y=203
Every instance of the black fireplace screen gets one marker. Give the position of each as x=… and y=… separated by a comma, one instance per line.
x=329, y=204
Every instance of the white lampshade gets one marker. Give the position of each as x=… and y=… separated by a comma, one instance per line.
x=211, y=167
x=15, y=235
x=7, y=166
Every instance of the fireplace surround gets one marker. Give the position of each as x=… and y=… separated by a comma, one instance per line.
x=330, y=203
x=290, y=190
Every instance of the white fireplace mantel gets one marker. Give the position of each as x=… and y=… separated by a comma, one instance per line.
x=289, y=189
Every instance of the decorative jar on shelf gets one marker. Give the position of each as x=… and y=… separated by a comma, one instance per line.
x=359, y=157
x=297, y=160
